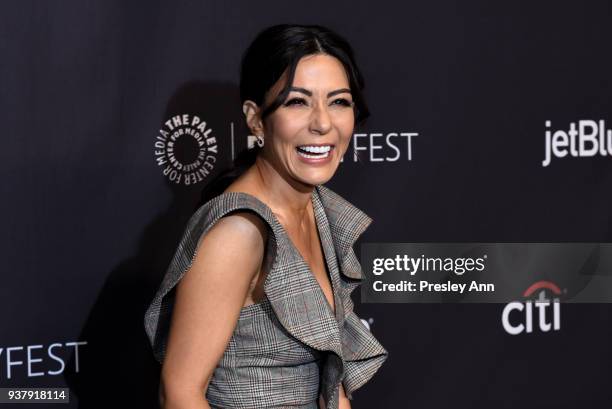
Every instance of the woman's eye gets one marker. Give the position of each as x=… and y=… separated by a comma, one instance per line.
x=302, y=101
x=295, y=101
x=343, y=101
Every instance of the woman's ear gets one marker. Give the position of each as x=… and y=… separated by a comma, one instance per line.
x=252, y=115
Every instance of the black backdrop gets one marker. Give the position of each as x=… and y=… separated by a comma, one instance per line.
x=460, y=93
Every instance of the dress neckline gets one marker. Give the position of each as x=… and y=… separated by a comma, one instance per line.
x=324, y=240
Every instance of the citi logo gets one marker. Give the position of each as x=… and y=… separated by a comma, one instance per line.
x=518, y=317
x=587, y=139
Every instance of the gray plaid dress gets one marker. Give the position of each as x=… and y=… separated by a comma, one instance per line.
x=290, y=347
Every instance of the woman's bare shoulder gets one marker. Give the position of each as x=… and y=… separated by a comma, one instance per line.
x=210, y=296
x=242, y=225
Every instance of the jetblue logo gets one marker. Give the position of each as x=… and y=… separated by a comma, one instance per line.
x=587, y=138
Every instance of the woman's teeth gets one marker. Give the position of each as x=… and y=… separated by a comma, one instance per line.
x=308, y=151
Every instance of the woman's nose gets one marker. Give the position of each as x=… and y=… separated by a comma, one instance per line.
x=320, y=119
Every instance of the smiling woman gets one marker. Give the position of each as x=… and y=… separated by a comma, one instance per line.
x=309, y=133
x=255, y=308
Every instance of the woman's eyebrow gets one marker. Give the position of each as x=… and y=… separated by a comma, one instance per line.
x=329, y=94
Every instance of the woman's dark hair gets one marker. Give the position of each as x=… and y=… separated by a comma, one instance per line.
x=277, y=49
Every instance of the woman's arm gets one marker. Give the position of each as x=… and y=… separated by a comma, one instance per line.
x=207, y=306
x=344, y=402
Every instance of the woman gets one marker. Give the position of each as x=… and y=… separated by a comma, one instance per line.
x=255, y=308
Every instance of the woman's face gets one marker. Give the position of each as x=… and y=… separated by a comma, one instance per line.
x=310, y=132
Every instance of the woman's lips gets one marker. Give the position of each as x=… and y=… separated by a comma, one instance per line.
x=315, y=158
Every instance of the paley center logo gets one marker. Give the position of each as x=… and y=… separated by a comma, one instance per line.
x=186, y=149
x=587, y=138
x=540, y=313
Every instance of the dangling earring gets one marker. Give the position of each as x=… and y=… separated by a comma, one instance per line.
x=260, y=141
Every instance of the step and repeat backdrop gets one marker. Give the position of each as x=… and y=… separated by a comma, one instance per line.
x=491, y=123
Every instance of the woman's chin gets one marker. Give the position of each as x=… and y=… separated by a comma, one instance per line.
x=315, y=179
